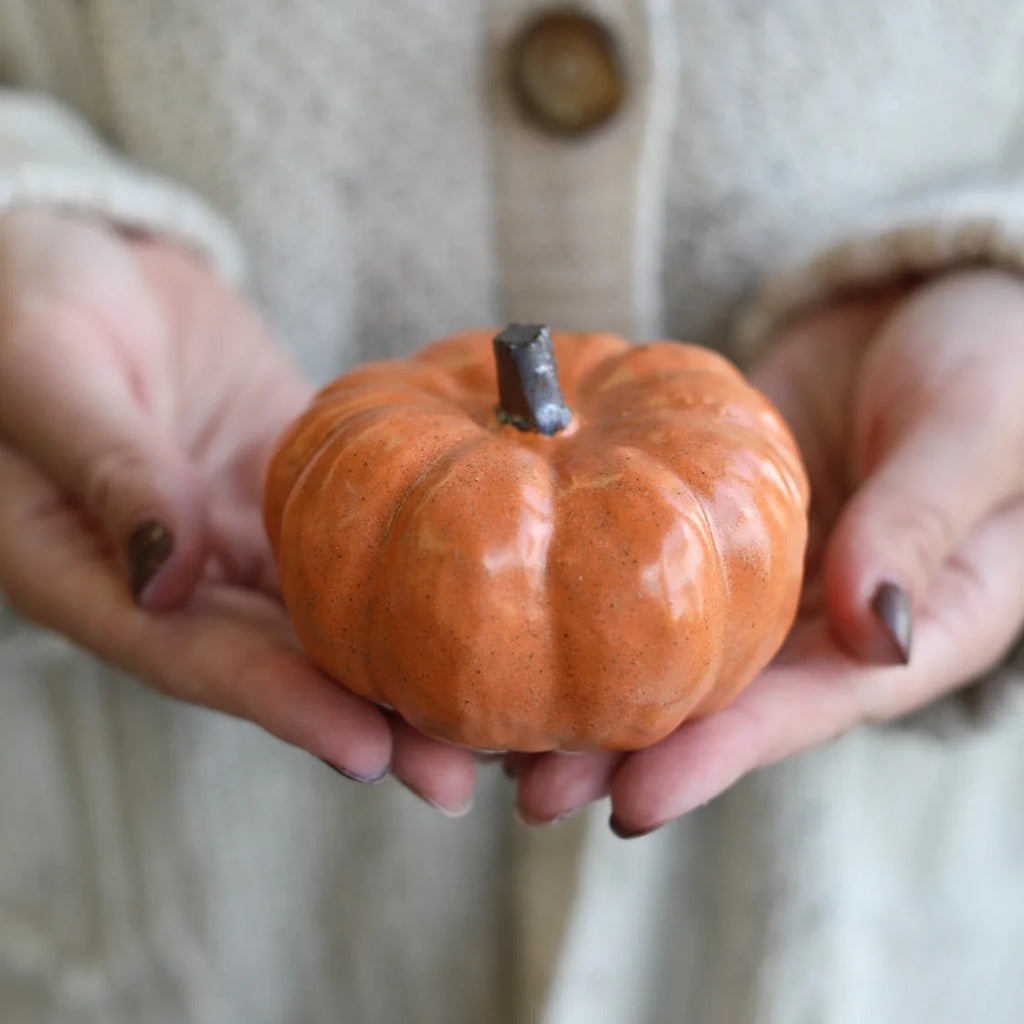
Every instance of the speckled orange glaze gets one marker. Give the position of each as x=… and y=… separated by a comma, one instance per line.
x=505, y=590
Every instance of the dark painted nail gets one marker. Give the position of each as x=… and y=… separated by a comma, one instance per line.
x=624, y=832
x=891, y=606
x=356, y=776
x=149, y=546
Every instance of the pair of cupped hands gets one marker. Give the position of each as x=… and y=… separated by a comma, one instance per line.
x=140, y=398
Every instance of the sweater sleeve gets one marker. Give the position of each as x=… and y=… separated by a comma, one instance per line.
x=50, y=156
x=981, y=226
x=973, y=226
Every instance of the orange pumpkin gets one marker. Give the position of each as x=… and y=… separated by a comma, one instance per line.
x=537, y=573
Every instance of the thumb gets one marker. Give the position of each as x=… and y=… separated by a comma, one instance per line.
x=938, y=476
x=76, y=406
x=938, y=431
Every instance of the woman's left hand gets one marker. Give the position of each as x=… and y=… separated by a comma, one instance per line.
x=139, y=400
x=909, y=409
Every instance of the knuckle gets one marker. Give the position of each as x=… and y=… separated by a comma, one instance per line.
x=107, y=475
x=924, y=531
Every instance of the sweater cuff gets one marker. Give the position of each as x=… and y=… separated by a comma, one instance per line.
x=928, y=236
x=50, y=157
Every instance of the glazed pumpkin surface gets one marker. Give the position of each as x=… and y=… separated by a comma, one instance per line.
x=503, y=588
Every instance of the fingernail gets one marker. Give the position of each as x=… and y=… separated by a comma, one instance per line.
x=891, y=606
x=149, y=546
x=357, y=776
x=625, y=832
x=531, y=822
x=449, y=812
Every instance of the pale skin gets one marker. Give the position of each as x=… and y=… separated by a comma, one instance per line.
x=906, y=404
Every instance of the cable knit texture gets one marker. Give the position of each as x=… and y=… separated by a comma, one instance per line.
x=163, y=865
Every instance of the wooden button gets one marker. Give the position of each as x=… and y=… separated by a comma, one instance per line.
x=567, y=72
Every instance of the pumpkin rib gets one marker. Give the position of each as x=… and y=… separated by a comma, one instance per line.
x=683, y=392
x=659, y=357
x=423, y=377
x=319, y=438
x=311, y=432
x=589, y=382
x=789, y=492
x=457, y=357
x=731, y=566
x=444, y=459
x=745, y=436
x=354, y=443
x=710, y=532
x=577, y=362
x=664, y=362
x=432, y=601
x=606, y=630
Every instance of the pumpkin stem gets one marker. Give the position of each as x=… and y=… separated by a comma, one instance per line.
x=529, y=395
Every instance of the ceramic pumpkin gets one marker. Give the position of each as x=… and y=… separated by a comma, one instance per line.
x=527, y=542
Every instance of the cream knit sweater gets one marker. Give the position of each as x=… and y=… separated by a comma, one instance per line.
x=362, y=168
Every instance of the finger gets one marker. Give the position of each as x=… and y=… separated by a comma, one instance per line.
x=72, y=404
x=555, y=785
x=897, y=531
x=937, y=435
x=436, y=772
x=238, y=659
x=973, y=612
x=228, y=650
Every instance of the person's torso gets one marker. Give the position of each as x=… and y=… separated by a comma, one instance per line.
x=390, y=188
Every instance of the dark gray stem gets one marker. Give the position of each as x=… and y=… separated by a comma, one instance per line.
x=529, y=395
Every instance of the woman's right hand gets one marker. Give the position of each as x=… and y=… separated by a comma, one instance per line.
x=139, y=400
